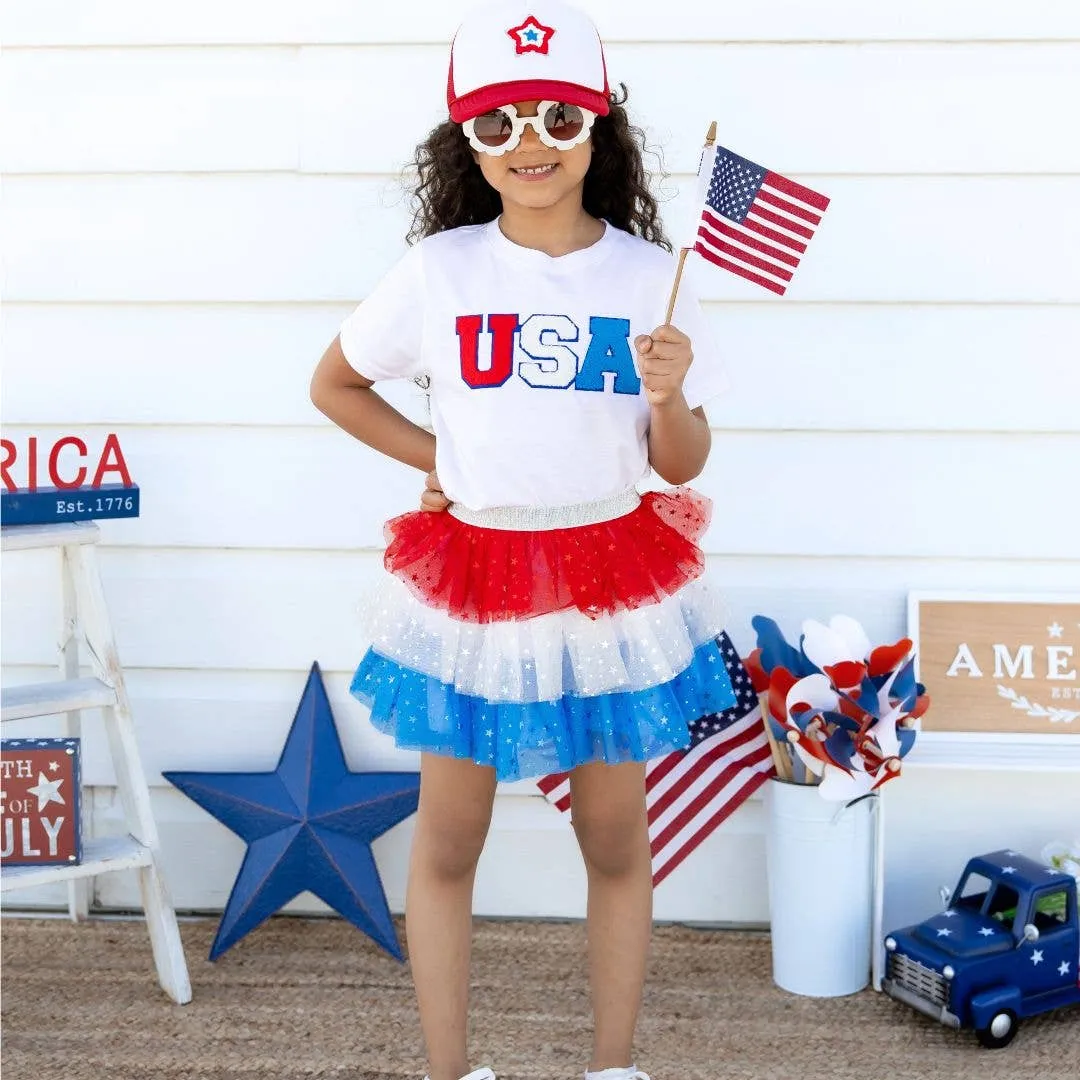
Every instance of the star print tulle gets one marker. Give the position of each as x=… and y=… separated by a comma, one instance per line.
x=486, y=575
x=536, y=651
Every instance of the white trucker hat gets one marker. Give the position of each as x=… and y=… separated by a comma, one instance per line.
x=518, y=51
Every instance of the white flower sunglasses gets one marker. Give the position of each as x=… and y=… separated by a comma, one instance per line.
x=557, y=124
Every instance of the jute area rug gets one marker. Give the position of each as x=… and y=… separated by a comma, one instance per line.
x=314, y=998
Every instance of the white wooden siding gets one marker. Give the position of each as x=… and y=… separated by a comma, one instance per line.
x=241, y=670
x=154, y=362
x=234, y=237
x=309, y=488
x=207, y=22
x=972, y=108
x=191, y=205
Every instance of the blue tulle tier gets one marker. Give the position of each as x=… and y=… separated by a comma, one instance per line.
x=540, y=738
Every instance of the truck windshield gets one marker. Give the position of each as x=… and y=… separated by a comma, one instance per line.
x=972, y=893
x=995, y=900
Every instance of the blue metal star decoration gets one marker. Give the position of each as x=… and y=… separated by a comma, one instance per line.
x=308, y=825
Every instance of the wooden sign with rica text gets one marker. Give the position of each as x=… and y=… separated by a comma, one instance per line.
x=76, y=472
x=999, y=664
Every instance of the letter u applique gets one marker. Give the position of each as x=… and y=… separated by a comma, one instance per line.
x=502, y=330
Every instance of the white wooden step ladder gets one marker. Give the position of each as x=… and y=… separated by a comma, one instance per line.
x=84, y=609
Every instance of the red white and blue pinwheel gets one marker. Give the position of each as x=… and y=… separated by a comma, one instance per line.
x=848, y=711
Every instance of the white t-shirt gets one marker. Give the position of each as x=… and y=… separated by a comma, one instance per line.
x=535, y=397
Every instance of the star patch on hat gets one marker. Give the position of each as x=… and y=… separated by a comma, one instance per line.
x=531, y=36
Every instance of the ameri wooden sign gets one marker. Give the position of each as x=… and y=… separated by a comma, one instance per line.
x=999, y=664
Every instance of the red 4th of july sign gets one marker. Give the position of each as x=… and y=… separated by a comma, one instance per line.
x=39, y=802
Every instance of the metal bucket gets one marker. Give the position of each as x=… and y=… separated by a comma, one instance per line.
x=820, y=859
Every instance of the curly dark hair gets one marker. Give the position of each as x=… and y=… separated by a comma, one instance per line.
x=451, y=190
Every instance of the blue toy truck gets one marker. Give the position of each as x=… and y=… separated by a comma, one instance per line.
x=1007, y=946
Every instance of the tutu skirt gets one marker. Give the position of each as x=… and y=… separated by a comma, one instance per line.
x=535, y=640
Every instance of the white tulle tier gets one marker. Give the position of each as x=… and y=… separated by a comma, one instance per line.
x=548, y=656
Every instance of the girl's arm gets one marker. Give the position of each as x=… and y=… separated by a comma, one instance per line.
x=679, y=441
x=679, y=437
x=347, y=398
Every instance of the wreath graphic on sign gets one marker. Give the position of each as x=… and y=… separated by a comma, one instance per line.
x=1033, y=708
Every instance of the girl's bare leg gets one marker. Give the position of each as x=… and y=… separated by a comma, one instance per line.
x=452, y=823
x=608, y=810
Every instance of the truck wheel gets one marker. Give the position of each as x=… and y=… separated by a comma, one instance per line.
x=1000, y=1031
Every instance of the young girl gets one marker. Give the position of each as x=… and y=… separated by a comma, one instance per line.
x=542, y=616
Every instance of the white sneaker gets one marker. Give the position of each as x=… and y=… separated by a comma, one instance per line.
x=632, y=1073
x=482, y=1074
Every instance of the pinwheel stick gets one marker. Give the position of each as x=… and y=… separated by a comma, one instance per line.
x=710, y=139
x=781, y=758
x=808, y=776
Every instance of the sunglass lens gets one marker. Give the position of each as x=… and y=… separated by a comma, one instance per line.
x=563, y=122
x=493, y=128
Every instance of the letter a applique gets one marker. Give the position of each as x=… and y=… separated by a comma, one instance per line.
x=609, y=350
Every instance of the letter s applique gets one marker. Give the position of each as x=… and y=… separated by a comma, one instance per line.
x=553, y=363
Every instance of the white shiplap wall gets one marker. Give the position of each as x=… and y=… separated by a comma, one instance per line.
x=192, y=202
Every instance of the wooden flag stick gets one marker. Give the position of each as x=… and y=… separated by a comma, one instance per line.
x=808, y=776
x=675, y=287
x=710, y=139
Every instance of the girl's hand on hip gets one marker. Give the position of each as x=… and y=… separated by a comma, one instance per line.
x=664, y=358
x=433, y=498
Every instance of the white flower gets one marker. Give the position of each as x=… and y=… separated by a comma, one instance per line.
x=1064, y=857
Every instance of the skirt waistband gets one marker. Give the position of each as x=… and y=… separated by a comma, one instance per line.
x=544, y=518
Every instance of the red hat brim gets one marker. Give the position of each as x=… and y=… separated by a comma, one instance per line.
x=491, y=97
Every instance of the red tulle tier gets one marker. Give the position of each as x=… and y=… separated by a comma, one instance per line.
x=486, y=575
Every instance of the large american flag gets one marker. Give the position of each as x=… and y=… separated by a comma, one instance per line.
x=754, y=222
x=690, y=792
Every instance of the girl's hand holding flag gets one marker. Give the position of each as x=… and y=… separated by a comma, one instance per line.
x=664, y=357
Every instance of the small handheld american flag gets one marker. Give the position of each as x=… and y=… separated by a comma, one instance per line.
x=751, y=220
